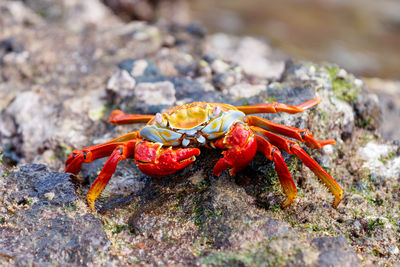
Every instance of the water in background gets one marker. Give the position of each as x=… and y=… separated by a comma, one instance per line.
x=363, y=36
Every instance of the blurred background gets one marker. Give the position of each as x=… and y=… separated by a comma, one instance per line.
x=363, y=36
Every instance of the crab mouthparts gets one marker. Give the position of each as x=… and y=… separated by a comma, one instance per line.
x=192, y=158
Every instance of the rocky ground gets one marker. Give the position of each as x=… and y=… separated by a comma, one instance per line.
x=64, y=68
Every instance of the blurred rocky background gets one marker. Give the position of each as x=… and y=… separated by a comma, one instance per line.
x=362, y=36
x=64, y=65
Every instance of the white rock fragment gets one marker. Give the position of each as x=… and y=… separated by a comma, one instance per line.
x=139, y=67
x=312, y=70
x=373, y=153
x=121, y=81
x=358, y=82
x=246, y=90
x=219, y=66
x=16, y=57
x=160, y=93
x=34, y=118
x=78, y=14
x=344, y=108
x=341, y=74
x=328, y=149
x=49, y=195
x=395, y=250
x=20, y=12
x=250, y=53
x=90, y=103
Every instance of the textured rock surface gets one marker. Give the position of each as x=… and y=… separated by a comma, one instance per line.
x=56, y=96
x=41, y=223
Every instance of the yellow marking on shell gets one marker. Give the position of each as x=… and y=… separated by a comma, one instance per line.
x=214, y=125
x=187, y=118
x=166, y=133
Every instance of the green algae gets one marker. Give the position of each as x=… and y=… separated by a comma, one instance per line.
x=343, y=88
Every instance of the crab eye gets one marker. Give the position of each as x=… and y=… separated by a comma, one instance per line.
x=216, y=111
x=160, y=120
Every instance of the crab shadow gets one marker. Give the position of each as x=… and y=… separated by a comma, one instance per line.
x=259, y=181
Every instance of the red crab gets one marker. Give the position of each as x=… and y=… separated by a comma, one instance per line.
x=170, y=141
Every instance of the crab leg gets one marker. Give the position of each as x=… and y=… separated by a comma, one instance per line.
x=74, y=162
x=303, y=135
x=286, y=180
x=293, y=148
x=121, y=152
x=119, y=117
x=275, y=107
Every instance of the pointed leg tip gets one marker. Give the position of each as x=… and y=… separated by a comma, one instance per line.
x=91, y=205
x=327, y=142
x=336, y=202
x=289, y=201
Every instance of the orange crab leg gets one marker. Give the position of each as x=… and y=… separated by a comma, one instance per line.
x=74, y=162
x=285, y=178
x=293, y=148
x=275, y=107
x=119, y=117
x=303, y=135
x=121, y=152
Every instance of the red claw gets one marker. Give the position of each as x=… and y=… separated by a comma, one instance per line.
x=74, y=162
x=241, y=147
x=154, y=160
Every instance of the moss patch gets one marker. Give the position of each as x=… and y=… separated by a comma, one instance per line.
x=344, y=88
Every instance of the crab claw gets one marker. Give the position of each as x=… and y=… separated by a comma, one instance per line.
x=241, y=147
x=154, y=160
x=74, y=162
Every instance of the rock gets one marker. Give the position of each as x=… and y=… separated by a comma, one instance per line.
x=222, y=81
x=121, y=83
x=188, y=90
x=251, y=54
x=43, y=224
x=133, y=10
x=204, y=69
x=196, y=29
x=368, y=112
x=373, y=151
x=243, y=90
x=389, y=105
x=32, y=115
x=10, y=45
x=75, y=15
x=17, y=13
x=209, y=57
x=218, y=66
x=139, y=68
x=276, y=228
x=335, y=249
x=380, y=160
x=152, y=97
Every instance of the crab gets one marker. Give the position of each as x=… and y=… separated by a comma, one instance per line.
x=170, y=141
